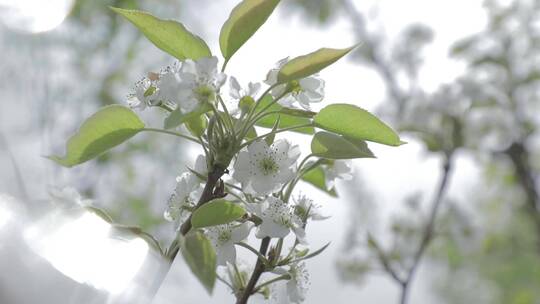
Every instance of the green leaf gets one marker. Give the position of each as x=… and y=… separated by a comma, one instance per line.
x=201, y=258
x=168, y=35
x=216, y=212
x=197, y=125
x=287, y=119
x=107, y=128
x=355, y=123
x=251, y=134
x=245, y=19
x=317, y=178
x=333, y=146
x=298, y=112
x=306, y=65
x=177, y=118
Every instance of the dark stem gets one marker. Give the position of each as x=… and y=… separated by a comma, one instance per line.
x=519, y=155
x=404, y=292
x=213, y=189
x=429, y=230
x=257, y=272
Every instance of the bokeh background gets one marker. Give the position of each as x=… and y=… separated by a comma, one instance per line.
x=458, y=79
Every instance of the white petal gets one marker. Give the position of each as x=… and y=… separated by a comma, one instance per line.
x=300, y=235
x=200, y=165
x=271, y=229
x=287, y=101
x=311, y=83
x=234, y=88
x=226, y=253
x=264, y=185
x=257, y=149
x=241, y=232
x=253, y=89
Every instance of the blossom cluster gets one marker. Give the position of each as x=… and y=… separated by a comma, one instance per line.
x=263, y=171
x=190, y=83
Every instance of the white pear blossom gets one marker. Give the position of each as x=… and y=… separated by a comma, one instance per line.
x=68, y=197
x=306, y=209
x=278, y=219
x=168, y=84
x=303, y=91
x=144, y=94
x=223, y=237
x=340, y=169
x=186, y=194
x=263, y=169
x=296, y=287
x=199, y=82
x=237, y=92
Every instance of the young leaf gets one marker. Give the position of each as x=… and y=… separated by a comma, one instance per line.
x=216, y=212
x=287, y=119
x=244, y=21
x=107, y=128
x=306, y=65
x=168, y=35
x=355, y=123
x=332, y=146
x=317, y=178
x=201, y=258
x=313, y=254
x=177, y=118
x=270, y=138
x=130, y=232
x=197, y=125
x=298, y=112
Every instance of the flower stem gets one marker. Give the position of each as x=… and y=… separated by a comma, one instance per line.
x=172, y=133
x=258, y=254
x=280, y=278
x=274, y=132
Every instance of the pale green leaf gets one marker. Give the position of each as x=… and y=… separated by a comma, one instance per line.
x=107, y=128
x=200, y=256
x=333, y=146
x=245, y=19
x=313, y=254
x=287, y=118
x=168, y=35
x=355, y=123
x=216, y=212
x=176, y=117
x=197, y=125
x=306, y=65
x=317, y=178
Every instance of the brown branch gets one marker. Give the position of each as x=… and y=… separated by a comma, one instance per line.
x=212, y=189
x=257, y=272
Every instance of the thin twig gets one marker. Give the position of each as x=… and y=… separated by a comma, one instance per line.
x=429, y=230
x=16, y=169
x=374, y=49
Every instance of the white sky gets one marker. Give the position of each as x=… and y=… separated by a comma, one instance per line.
x=394, y=174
